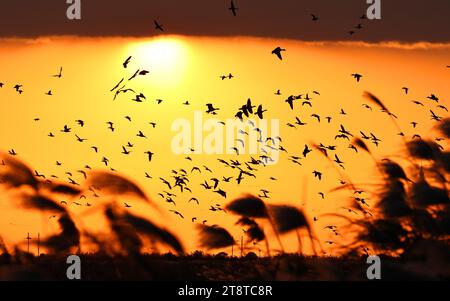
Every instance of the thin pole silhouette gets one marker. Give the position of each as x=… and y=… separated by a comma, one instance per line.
x=28, y=242
x=242, y=246
x=38, y=245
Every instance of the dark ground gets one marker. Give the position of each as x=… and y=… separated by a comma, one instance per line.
x=216, y=268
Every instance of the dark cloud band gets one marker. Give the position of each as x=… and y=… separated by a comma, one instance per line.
x=402, y=20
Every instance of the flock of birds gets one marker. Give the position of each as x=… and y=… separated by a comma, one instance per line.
x=241, y=168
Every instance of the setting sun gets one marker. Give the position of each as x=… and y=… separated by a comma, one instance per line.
x=165, y=57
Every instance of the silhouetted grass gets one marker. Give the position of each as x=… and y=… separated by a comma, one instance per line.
x=410, y=220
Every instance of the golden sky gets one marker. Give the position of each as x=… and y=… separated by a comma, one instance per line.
x=187, y=68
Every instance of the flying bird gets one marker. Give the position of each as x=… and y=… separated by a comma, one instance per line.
x=337, y=160
x=66, y=129
x=125, y=151
x=177, y=213
x=233, y=9
x=211, y=109
x=59, y=75
x=357, y=76
x=442, y=107
x=316, y=116
x=150, y=155
x=433, y=97
x=306, y=151
x=80, y=139
x=125, y=65
x=194, y=200
x=260, y=112
x=277, y=51
x=158, y=26
x=317, y=174
x=141, y=134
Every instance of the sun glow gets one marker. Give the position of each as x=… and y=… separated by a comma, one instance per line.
x=165, y=58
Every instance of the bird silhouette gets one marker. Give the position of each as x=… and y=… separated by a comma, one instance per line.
x=59, y=75
x=170, y=201
x=125, y=65
x=125, y=151
x=118, y=84
x=367, y=106
x=194, y=200
x=357, y=76
x=316, y=116
x=18, y=89
x=442, y=107
x=351, y=146
x=433, y=97
x=337, y=160
x=80, y=139
x=110, y=126
x=434, y=116
x=177, y=213
x=211, y=109
x=221, y=192
x=158, y=26
x=105, y=161
x=233, y=9
x=299, y=122
x=66, y=129
x=306, y=151
x=317, y=174
x=290, y=101
x=141, y=134
x=277, y=51
x=342, y=130
x=166, y=183
x=259, y=112
x=83, y=173
x=150, y=155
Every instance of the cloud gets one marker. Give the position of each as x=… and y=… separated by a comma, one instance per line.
x=402, y=20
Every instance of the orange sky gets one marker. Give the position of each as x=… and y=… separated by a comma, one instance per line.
x=183, y=68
